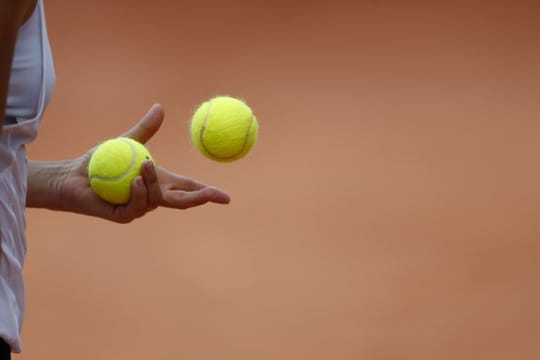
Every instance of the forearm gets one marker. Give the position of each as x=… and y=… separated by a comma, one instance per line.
x=43, y=183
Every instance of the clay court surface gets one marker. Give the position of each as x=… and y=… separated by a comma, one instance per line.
x=390, y=210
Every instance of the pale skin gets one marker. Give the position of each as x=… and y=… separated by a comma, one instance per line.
x=64, y=185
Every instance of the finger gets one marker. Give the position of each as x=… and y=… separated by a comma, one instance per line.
x=185, y=200
x=137, y=202
x=187, y=184
x=178, y=182
x=150, y=123
x=217, y=195
x=136, y=207
x=153, y=191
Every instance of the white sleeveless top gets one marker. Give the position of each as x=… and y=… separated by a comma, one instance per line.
x=30, y=88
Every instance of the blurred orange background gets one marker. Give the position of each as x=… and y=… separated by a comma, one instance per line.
x=390, y=209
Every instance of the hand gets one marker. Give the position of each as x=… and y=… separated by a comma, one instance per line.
x=155, y=187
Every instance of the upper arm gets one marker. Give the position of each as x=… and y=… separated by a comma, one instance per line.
x=12, y=14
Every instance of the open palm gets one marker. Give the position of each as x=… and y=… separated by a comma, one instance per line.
x=155, y=187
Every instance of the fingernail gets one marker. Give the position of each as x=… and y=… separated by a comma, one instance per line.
x=149, y=165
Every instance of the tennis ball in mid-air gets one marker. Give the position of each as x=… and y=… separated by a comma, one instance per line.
x=224, y=128
x=113, y=166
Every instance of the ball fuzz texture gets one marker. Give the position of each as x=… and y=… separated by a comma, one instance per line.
x=113, y=166
x=224, y=128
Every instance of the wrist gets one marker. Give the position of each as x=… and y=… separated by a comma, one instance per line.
x=44, y=183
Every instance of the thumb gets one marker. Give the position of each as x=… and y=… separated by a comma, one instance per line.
x=150, y=123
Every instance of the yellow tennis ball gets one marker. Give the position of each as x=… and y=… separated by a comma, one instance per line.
x=224, y=128
x=113, y=166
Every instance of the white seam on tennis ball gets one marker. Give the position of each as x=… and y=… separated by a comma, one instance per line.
x=131, y=165
x=203, y=129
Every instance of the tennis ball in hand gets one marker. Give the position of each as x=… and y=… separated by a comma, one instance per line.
x=113, y=166
x=224, y=128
